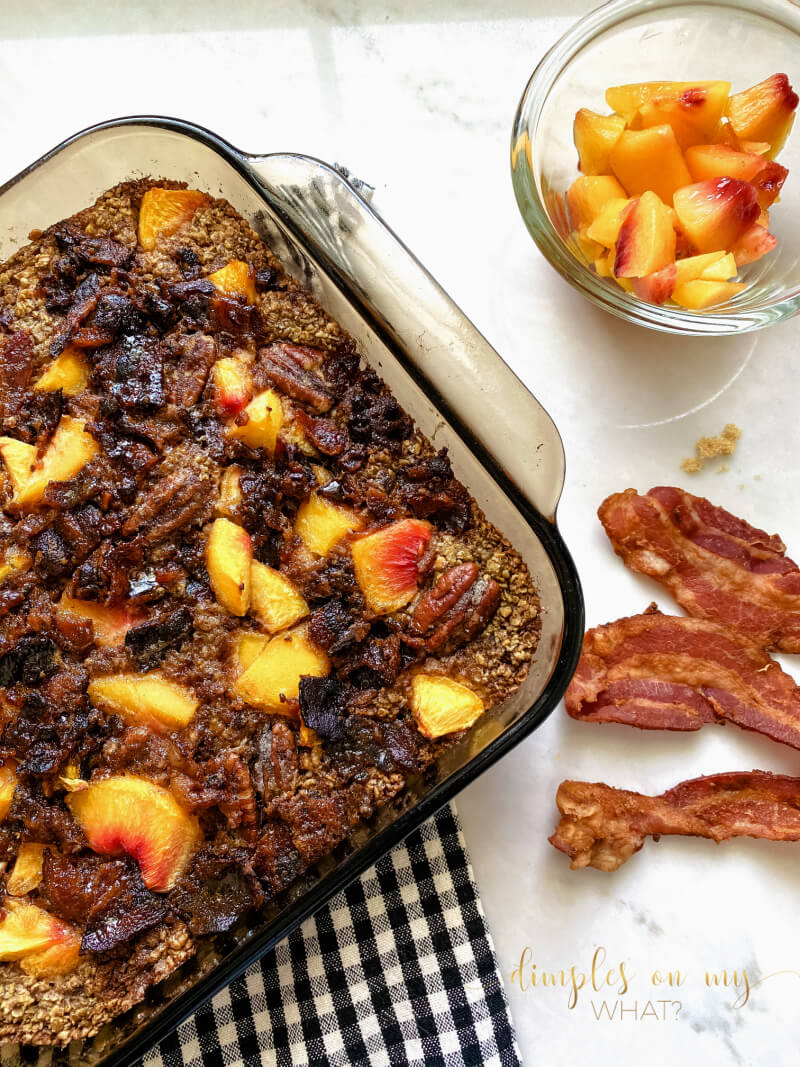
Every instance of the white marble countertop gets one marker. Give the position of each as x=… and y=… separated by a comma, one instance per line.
x=417, y=98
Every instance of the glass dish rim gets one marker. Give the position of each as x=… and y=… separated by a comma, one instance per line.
x=238, y=959
x=614, y=299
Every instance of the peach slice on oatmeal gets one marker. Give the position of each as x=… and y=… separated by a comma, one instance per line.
x=229, y=553
x=259, y=423
x=164, y=211
x=8, y=783
x=129, y=814
x=232, y=387
x=230, y=493
x=68, y=372
x=249, y=645
x=42, y=944
x=274, y=675
x=110, y=624
x=275, y=601
x=441, y=705
x=71, y=448
x=387, y=562
x=320, y=524
x=14, y=560
x=19, y=458
x=237, y=279
x=27, y=872
x=150, y=699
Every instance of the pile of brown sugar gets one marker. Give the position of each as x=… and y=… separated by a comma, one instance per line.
x=723, y=444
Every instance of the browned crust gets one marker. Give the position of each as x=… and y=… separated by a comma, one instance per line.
x=55, y=1011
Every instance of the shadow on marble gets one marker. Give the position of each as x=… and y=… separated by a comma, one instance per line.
x=63, y=18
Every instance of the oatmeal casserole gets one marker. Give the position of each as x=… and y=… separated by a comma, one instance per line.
x=242, y=598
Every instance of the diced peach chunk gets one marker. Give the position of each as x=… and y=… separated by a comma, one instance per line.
x=320, y=524
x=720, y=161
x=126, y=813
x=386, y=563
x=595, y=135
x=110, y=624
x=650, y=160
x=701, y=294
x=261, y=421
x=68, y=372
x=19, y=458
x=229, y=553
x=274, y=675
x=230, y=493
x=232, y=388
x=147, y=699
x=692, y=267
x=249, y=645
x=646, y=240
x=754, y=243
x=590, y=249
x=237, y=279
x=703, y=100
x=693, y=111
x=588, y=195
x=8, y=783
x=274, y=600
x=765, y=112
x=164, y=211
x=441, y=705
x=722, y=270
x=605, y=228
x=27, y=872
x=71, y=448
x=658, y=287
x=42, y=944
x=714, y=214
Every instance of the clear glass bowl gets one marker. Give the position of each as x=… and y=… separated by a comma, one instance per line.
x=741, y=41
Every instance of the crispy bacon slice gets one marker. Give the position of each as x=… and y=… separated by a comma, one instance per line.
x=602, y=827
x=667, y=672
x=716, y=566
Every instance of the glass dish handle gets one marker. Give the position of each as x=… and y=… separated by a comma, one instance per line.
x=350, y=241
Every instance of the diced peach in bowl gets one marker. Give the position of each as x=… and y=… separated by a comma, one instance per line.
x=678, y=172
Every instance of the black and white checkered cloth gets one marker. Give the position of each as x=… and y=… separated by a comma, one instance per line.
x=399, y=969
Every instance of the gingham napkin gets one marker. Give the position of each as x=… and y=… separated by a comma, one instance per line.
x=399, y=969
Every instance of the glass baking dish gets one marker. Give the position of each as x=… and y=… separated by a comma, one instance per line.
x=502, y=443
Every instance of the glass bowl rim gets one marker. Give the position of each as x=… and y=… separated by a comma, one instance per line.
x=614, y=299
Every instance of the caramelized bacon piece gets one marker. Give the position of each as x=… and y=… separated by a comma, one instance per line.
x=16, y=357
x=716, y=566
x=664, y=672
x=602, y=827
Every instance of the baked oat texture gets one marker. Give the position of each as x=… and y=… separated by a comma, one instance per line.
x=107, y=571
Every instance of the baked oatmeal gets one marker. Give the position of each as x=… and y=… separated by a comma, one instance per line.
x=242, y=598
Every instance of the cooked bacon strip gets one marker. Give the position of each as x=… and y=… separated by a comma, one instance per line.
x=602, y=827
x=667, y=672
x=716, y=566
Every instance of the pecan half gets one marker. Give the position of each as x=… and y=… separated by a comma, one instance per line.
x=457, y=608
x=291, y=369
